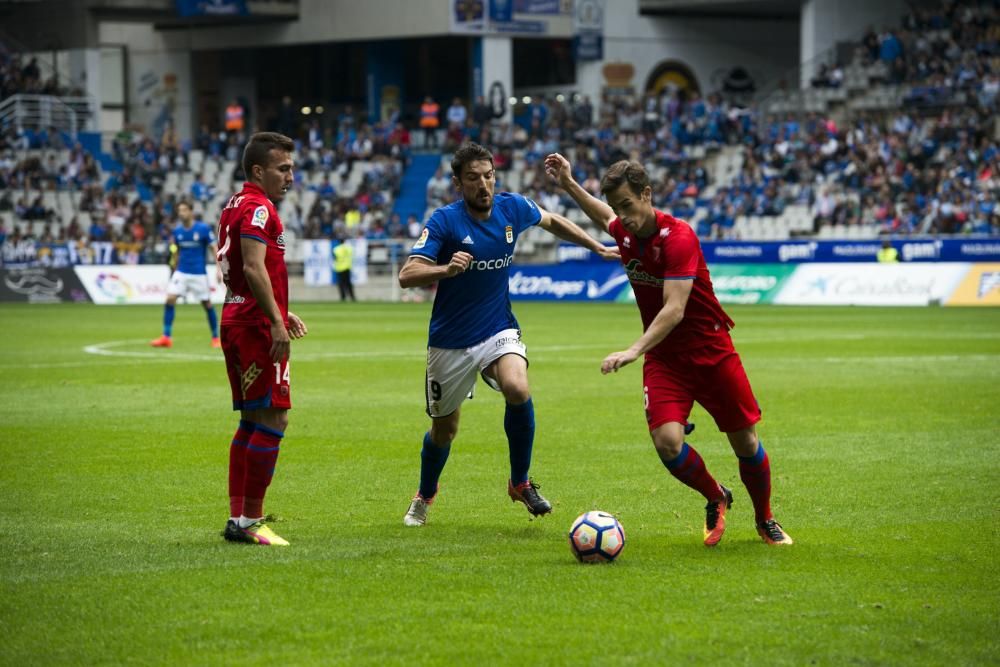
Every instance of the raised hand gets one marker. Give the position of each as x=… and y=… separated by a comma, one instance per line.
x=558, y=168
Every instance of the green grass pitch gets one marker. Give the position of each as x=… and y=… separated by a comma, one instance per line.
x=881, y=425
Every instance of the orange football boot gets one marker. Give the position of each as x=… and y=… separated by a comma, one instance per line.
x=162, y=341
x=715, y=517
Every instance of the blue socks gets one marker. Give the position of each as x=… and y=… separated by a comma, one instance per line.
x=519, y=424
x=432, y=460
x=213, y=323
x=168, y=319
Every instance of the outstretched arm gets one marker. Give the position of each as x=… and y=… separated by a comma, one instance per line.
x=567, y=230
x=559, y=170
x=675, y=298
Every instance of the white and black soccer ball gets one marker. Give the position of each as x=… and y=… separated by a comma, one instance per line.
x=596, y=537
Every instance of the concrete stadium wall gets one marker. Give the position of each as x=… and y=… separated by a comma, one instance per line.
x=160, y=82
x=332, y=21
x=767, y=48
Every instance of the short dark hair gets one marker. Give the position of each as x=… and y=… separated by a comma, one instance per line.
x=259, y=147
x=466, y=153
x=625, y=171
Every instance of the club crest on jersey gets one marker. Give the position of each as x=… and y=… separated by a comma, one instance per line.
x=259, y=217
x=422, y=241
x=248, y=377
x=627, y=241
x=509, y=231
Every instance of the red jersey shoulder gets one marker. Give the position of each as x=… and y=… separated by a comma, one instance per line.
x=679, y=245
x=254, y=212
x=258, y=209
x=674, y=231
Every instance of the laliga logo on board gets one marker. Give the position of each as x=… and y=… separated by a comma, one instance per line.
x=114, y=286
x=797, y=251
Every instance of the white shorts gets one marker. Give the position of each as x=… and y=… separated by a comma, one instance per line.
x=189, y=284
x=451, y=374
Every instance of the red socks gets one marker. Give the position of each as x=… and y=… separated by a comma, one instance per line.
x=238, y=466
x=261, y=457
x=690, y=469
x=755, y=471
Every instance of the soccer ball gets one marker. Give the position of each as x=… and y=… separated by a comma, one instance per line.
x=596, y=537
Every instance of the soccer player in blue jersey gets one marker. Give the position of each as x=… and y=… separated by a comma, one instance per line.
x=189, y=242
x=467, y=248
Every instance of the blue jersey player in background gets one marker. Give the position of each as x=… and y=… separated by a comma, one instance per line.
x=190, y=241
x=467, y=248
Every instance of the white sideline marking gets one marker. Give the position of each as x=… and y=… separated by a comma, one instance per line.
x=104, y=350
x=914, y=359
x=110, y=349
x=107, y=349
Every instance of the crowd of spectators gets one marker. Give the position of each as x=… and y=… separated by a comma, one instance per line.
x=925, y=168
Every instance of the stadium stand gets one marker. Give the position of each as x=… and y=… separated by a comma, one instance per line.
x=900, y=138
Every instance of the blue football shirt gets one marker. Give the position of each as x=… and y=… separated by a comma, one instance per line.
x=474, y=305
x=192, y=245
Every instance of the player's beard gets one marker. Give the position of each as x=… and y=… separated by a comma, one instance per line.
x=475, y=205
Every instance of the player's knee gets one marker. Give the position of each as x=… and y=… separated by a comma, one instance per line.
x=274, y=419
x=668, y=445
x=282, y=421
x=516, y=393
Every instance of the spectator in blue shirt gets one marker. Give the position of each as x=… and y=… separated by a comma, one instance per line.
x=200, y=191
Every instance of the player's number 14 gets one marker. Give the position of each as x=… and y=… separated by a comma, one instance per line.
x=279, y=377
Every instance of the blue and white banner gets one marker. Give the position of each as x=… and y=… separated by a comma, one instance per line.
x=317, y=262
x=872, y=284
x=550, y=7
x=588, y=30
x=910, y=250
x=501, y=10
x=497, y=16
x=212, y=8
x=569, y=282
x=317, y=259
